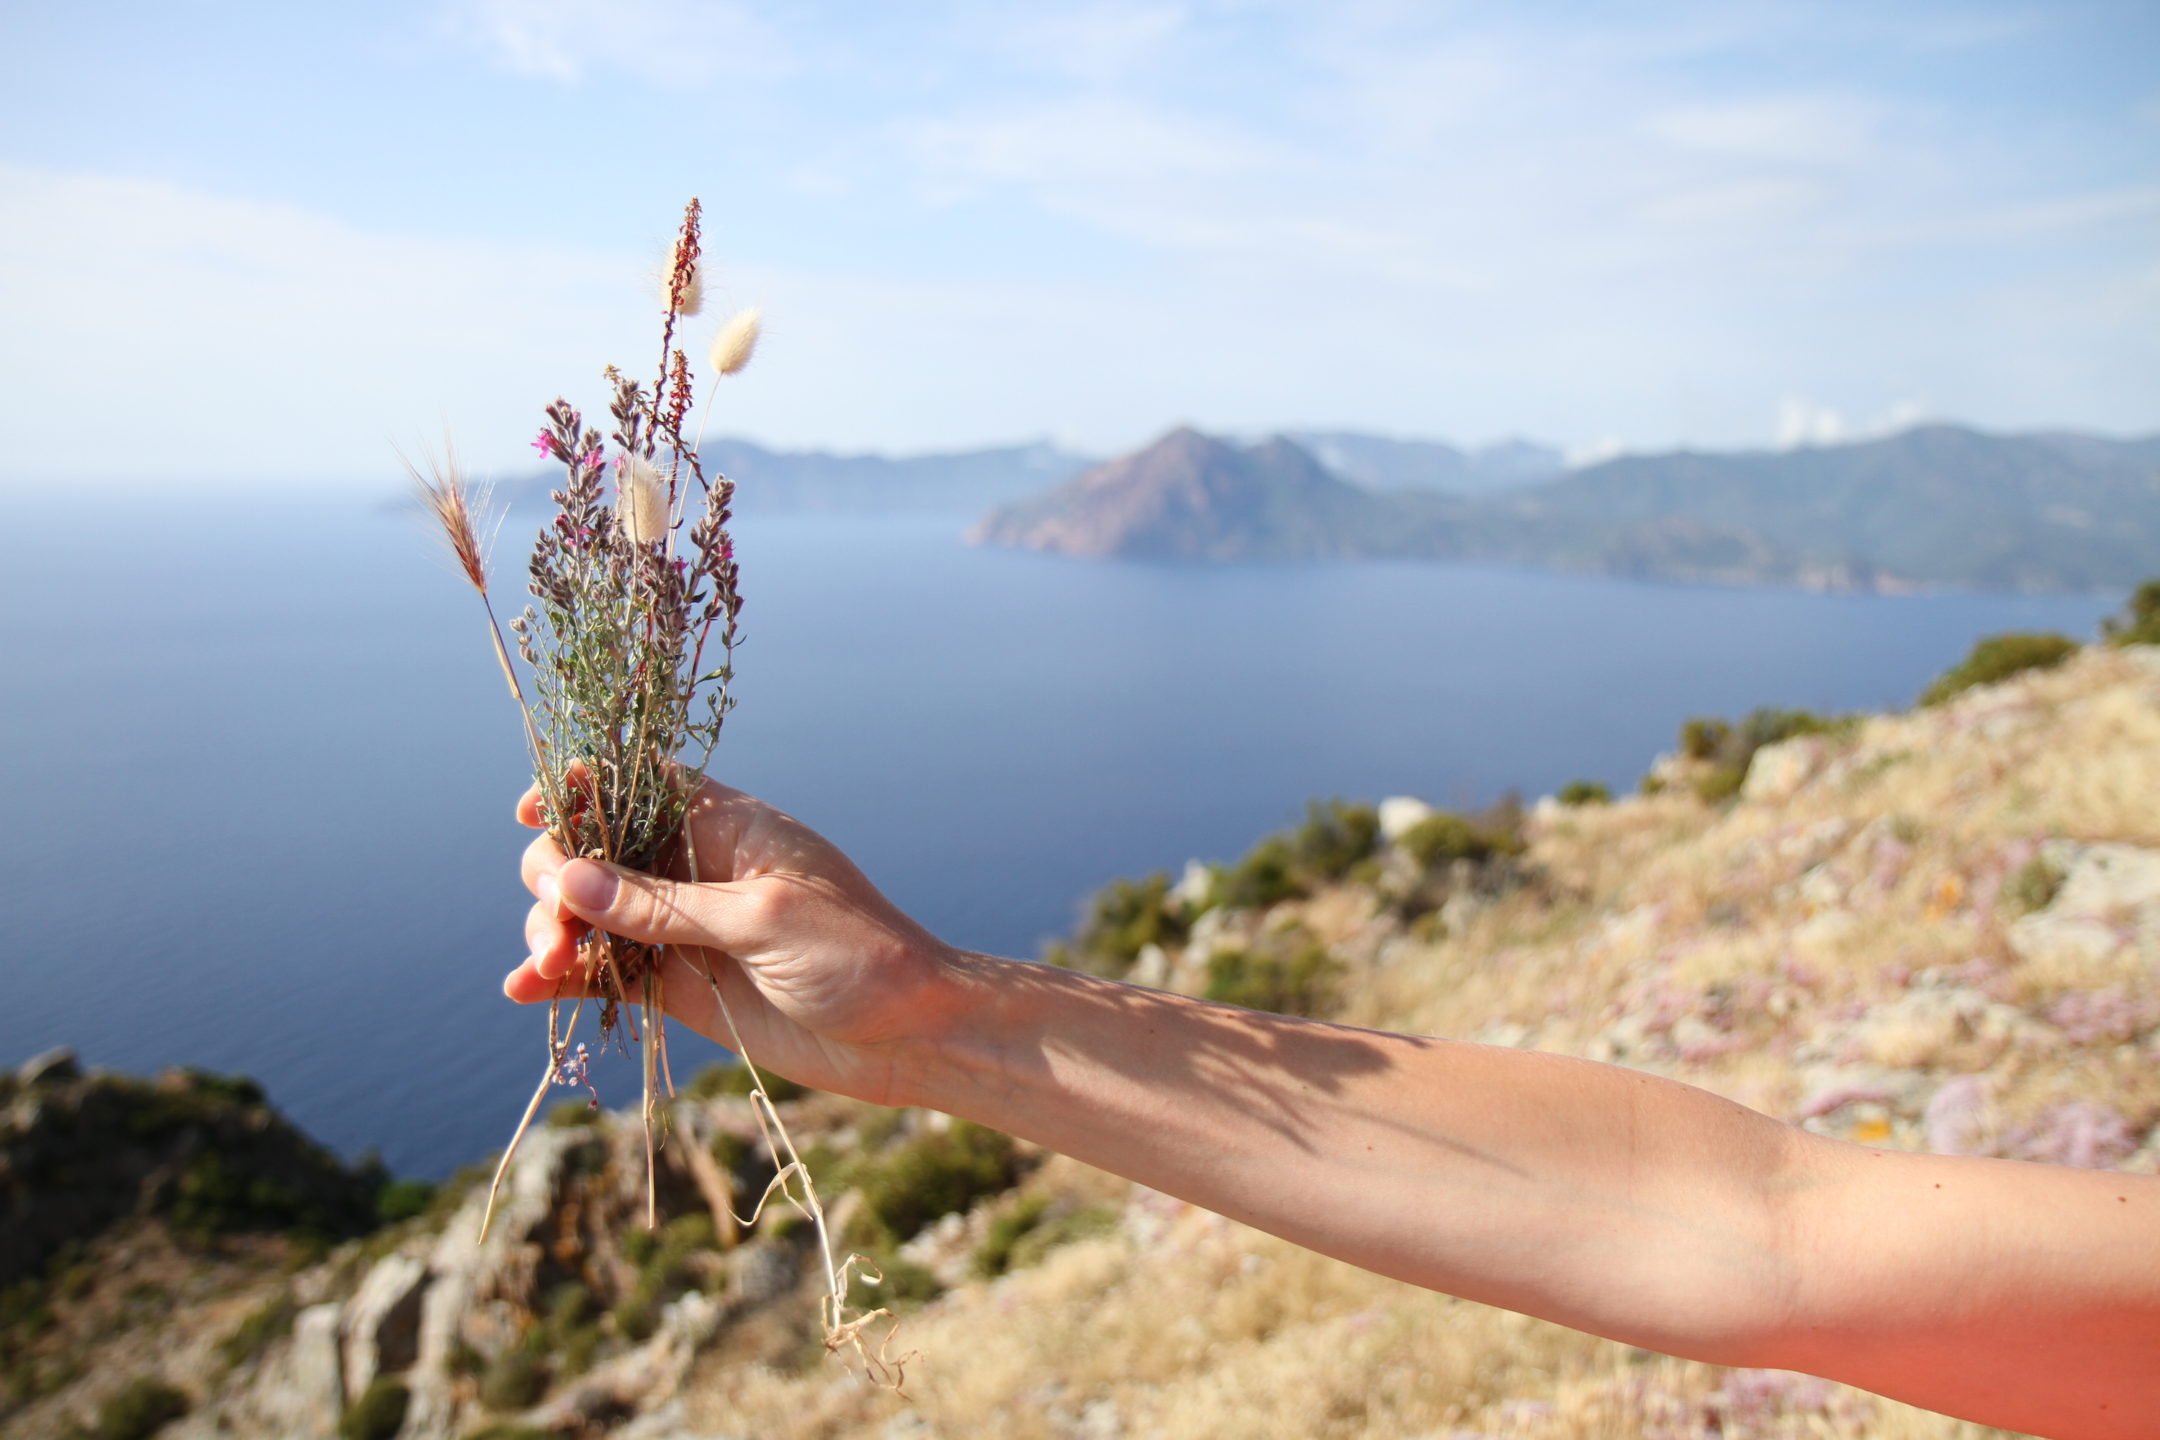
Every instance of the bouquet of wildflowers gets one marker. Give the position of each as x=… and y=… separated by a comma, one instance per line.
x=628, y=648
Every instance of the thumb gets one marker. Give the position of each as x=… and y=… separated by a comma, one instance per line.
x=644, y=907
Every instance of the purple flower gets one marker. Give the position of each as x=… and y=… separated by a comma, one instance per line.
x=545, y=444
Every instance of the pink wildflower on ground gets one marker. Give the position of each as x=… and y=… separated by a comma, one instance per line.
x=2084, y=1133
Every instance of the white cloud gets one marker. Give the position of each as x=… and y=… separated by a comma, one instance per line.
x=676, y=43
x=247, y=338
x=1802, y=422
x=1792, y=129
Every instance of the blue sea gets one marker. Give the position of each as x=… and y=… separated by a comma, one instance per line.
x=257, y=764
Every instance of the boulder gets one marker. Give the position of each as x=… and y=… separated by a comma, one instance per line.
x=1778, y=771
x=1400, y=814
x=382, y=1322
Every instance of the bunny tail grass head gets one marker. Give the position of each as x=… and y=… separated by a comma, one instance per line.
x=450, y=501
x=643, y=504
x=732, y=347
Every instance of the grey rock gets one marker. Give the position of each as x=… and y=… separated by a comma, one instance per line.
x=382, y=1322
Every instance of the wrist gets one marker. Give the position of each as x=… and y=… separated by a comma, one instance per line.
x=936, y=1063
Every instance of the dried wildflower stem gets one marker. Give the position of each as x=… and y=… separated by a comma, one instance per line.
x=557, y=1050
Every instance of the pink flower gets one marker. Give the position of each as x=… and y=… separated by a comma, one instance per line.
x=545, y=444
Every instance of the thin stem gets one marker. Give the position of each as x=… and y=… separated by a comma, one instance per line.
x=556, y=1050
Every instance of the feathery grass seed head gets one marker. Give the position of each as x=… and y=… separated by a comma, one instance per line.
x=644, y=504
x=447, y=498
x=732, y=347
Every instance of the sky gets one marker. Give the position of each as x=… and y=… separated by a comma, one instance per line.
x=279, y=242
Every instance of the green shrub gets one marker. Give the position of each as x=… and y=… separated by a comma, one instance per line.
x=515, y=1379
x=994, y=1255
x=1123, y=918
x=1266, y=876
x=936, y=1173
x=1720, y=783
x=2034, y=886
x=1998, y=657
x=1023, y=1235
x=137, y=1410
x=403, y=1199
x=505, y=1430
x=1443, y=837
x=1729, y=749
x=1703, y=737
x=379, y=1412
x=732, y=1077
x=1334, y=837
x=1584, y=792
x=267, y=1322
x=900, y=1282
x=2139, y=624
x=1301, y=982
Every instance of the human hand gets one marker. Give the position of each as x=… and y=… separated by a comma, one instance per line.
x=827, y=981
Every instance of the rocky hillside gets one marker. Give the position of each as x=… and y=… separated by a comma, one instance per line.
x=1937, y=506
x=1937, y=929
x=1190, y=496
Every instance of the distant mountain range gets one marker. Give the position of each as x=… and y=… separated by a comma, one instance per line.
x=778, y=481
x=1937, y=506
x=1380, y=463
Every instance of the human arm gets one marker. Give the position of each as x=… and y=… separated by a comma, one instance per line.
x=1615, y=1202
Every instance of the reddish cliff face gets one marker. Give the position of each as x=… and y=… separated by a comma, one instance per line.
x=1190, y=496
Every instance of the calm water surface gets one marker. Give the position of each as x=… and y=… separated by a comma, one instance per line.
x=256, y=763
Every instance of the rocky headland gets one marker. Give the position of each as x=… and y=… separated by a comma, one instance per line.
x=1934, y=507
x=1935, y=929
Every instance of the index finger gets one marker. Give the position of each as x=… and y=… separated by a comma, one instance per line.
x=528, y=808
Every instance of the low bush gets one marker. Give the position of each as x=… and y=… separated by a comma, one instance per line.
x=2139, y=623
x=900, y=1282
x=403, y=1199
x=732, y=1077
x=2034, y=885
x=1300, y=980
x=1998, y=657
x=1584, y=792
x=1444, y=837
x=1023, y=1235
x=378, y=1414
x=1728, y=749
x=1123, y=918
x=933, y=1174
x=1336, y=835
x=136, y=1411
x=1267, y=875
x=513, y=1380
x=267, y=1322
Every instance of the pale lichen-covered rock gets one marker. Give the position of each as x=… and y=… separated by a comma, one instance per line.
x=1400, y=814
x=1778, y=771
x=381, y=1323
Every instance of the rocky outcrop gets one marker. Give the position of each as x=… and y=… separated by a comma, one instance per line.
x=81, y=1152
x=1189, y=496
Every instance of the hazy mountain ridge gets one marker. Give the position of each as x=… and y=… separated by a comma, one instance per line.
x=772, y=481
x=1381, y=462
x=1937, y=506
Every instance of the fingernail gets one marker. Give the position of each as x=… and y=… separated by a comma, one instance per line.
x=544, y=890
x=586, y=885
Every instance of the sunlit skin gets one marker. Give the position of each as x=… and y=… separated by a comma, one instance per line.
x=2020, y=1295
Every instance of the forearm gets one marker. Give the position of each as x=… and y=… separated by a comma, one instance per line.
x=1611, y=1201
